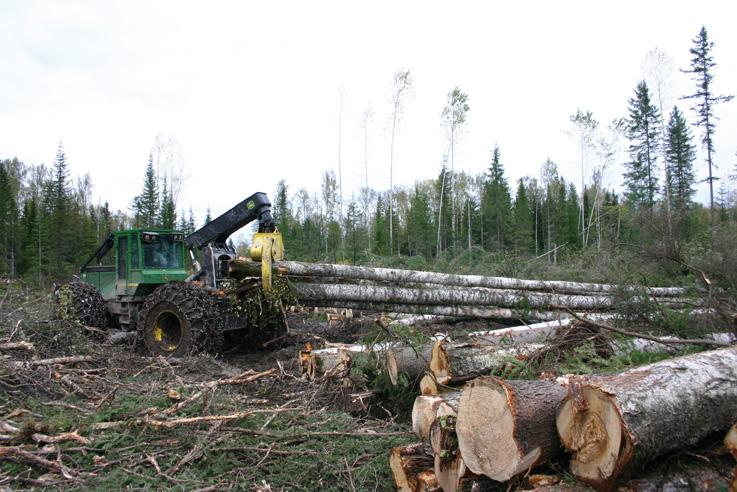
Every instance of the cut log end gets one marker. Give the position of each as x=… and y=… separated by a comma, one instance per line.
x=590, y=427
x=439, y=364
x=423, y=415
x=428, y=385
x=407, y=463
x=488, y=423
x=391, y=367
x=450, y=473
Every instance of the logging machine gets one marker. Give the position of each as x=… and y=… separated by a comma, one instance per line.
x=137, y=279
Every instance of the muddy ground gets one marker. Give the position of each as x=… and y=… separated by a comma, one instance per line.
x=113, y=418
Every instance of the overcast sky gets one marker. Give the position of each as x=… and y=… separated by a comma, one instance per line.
x=251, y=90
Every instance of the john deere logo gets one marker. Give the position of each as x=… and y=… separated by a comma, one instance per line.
x=250, y=205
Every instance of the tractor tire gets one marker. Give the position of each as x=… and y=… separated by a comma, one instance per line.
x=179, y=319
x=81, y=302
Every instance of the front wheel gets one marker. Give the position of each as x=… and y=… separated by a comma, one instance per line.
x=178, y=319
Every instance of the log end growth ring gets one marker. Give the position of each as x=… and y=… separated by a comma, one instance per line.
x=486, y=438
x=594, y=435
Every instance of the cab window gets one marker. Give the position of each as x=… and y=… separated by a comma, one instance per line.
x=162, y=251
x=135, y=261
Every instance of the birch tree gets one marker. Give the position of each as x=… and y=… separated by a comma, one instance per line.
x=583, y=132
x=453, y=121
x=401, y=89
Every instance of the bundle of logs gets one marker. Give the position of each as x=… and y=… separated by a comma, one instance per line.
x=478, y=430
x=418, y=292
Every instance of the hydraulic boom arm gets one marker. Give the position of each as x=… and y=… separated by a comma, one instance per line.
x=217, y=231
x=212, y=239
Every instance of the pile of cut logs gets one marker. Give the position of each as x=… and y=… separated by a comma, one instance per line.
x=477, y=430
x=475, y=296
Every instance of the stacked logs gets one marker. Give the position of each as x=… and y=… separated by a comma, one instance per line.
x=491, y=430
x=431, y=293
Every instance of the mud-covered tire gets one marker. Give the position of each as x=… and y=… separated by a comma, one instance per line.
x=81, y=302
x=179, y=319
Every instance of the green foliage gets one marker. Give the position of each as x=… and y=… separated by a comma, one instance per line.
x=641, y=178
x=702, y=70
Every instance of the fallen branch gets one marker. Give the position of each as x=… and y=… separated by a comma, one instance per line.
x=20, y=455
x=18, y=346
x=665, y=341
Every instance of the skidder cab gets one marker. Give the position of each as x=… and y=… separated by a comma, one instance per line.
x=138, y=279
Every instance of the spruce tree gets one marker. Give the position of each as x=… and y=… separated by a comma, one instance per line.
x=679, y=155
x=381, y=228
x=702, y=67
x=59, y=214
x=496, y=204
x=419, y=225
x=149, y=197
x=523, y=233
x=641, y=179
x=167, y=209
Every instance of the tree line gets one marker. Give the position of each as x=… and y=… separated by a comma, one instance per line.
x=48, y=225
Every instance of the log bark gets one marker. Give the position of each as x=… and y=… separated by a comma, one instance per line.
x=406, y=462
x=506, y=428
x=411, y=362
x=453, y=363
x=300, y=269
x=454, y=311
x=614, y=423
x=533, y=333
x=427, y=409
x=472, y=296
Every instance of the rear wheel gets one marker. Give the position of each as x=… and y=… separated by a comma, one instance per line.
x=178, y=319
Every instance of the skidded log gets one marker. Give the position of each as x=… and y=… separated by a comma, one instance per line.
x=506, y=428
x=404, y=277
x=480, y=312
x=533, y=333
x=472, y=296
x=612, y=424
x=457, y=362
x=407, y=462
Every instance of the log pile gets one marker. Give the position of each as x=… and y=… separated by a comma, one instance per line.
x=478, y=430
x=431, y=293
x=491, y=430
